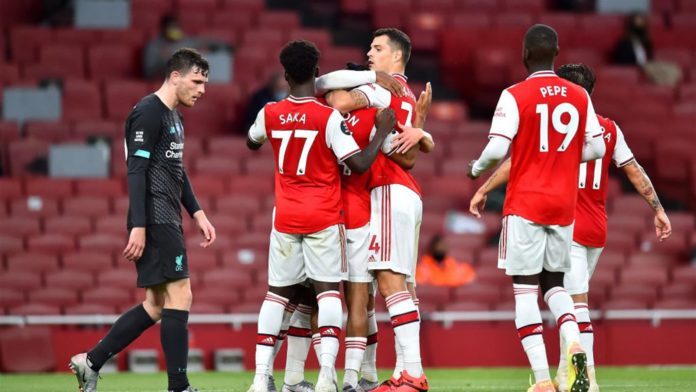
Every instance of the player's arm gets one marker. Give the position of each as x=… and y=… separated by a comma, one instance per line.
x=623, y=158
x=417, y=135
x=499, y=177
x=347, y=79
x=367, y=95
x=506, y=121
x=190, y=203
x=141, y=138
x=361, y=161
x=406, y=160
x=257, y=132
x=594, y=147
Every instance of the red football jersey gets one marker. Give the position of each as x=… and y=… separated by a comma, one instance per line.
x=307, y=137
x=384, y=171
x=590, y=214
x=547, y=119
x=354, y=190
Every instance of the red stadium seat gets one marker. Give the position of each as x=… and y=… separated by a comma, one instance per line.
x=34, y=206
x=478, y=292
x=88, y=261
x=241, y=21
x=120, y=278
x=113, y=62
x=133, y=37
x=82, y=100
x=227, y=278
x=108, y=295
x=24, y=43
x=200, y=307
x=634, y=292
x=86, y=206
x=72, y=36
x=71, y=225
x=51, y=243
x=48, y=130
x=208, y=185
x=111, y=224
x=512, y=19
x=283, y=20
x=103, y=242
x=10, y=188
x=217, y=166
x=644, y=275
x=69, y=58
x=34, y=309
x=54, y=296
x=238, y=204
x=91, y=128
x=215, y=296
x=252, y=185
x=20, y=280
x=100, y=187
x=19, y=226
x=493, y=276
x=90, y=309
x=21, y=153
x=466, y=306
x=320, y=37
x=229, y=146
x=9, y=297
x=245, y=259
x=203, y=259
x=652, y=260
x=121, y=97
x=676, y=304
x=685, y=274
x=529, y=6
x=488, y=257
x=70, y=279
x=49, y=187
x=11, y=244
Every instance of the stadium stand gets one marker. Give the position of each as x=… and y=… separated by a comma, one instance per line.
x=60, y=239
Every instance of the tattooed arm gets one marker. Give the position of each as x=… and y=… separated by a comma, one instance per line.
x=499, y=177
x=640, y=180
x=347, y=101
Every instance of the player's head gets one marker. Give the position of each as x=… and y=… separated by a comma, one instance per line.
x=579, y=74
x=187, y=71
x=540, y=47
x=390, y=50
x=300, y=59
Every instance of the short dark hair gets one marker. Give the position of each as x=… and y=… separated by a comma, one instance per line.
x=185, y=59
x=541, y=41
x=398, y=39
x=299, y=59
x=579, y=74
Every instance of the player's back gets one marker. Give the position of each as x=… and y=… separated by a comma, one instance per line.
x=307, y=182
x=547, y=148
x=384, y=171
x=590, y=213
x=354, y=191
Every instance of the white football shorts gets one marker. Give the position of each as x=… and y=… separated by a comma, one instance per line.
x=293, y=258
x=395, y=223
x=583, y=261
x=358, y=242
x=525, y=247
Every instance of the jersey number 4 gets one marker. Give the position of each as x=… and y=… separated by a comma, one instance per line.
x=569, y=129
x=285, y=137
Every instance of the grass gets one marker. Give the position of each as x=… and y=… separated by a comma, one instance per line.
x=612, y=379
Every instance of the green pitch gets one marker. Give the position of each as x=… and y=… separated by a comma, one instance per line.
x=633, y=379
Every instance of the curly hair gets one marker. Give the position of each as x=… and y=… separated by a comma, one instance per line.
x=300, y=59
x=579, y=74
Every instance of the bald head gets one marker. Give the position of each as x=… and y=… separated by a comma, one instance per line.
x=540, y=46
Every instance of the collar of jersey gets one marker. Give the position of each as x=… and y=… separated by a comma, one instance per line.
x=402, y=76
x=302, y=99
x=541, y=74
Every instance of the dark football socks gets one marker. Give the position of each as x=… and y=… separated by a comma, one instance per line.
x=174, y=337
x=125, y=330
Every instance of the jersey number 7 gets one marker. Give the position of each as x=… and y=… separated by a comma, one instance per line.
x=285, y=137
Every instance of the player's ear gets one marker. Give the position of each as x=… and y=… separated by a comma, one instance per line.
x=316, y=72
x=286, y=77
x=558, y=51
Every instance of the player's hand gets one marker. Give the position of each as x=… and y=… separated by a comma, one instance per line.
x=477, y=204
x=388, y=82
x=384, y=121
x=663, y=229
x=206, y=228
x=408, y=138
x=136, y=244
x=423, y=105
x=470, y=170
